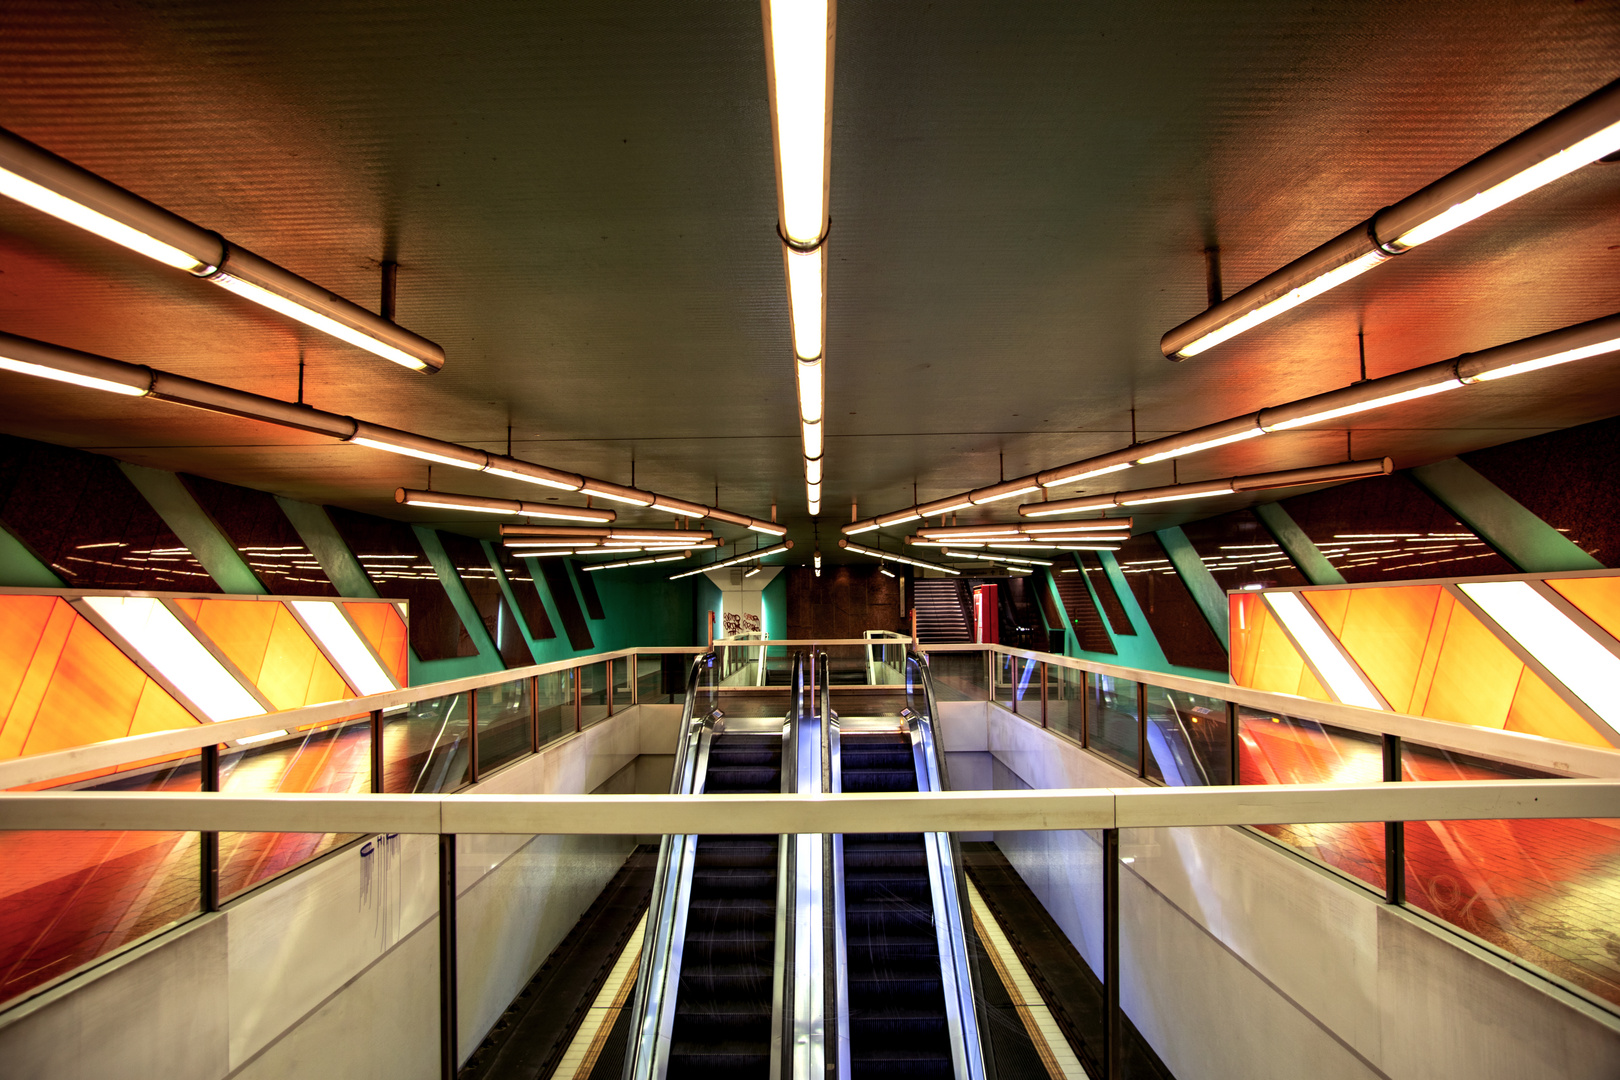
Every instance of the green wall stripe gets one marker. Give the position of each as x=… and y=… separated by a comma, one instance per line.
x=1141, y=649
x=318, y=533
x=1500, y=520
x=19, y=569
x=180, y=512
x=450, y=581
x=1209, y=596
x=1297, y=546
x=511, y=600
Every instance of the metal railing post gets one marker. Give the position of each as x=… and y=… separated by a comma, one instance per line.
x=472, y=736
x=609, y=676
x=1113, y=1019
x=379, y=780
x=1234, y=745
x=579, y=692
x=449, y=1035
x=1085, y=710
x=1394, y=831
x=208, y=842
x=1044, y=674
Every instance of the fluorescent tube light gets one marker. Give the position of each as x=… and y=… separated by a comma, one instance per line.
x=1074, y=473
x=745, y=557
x=513, y=469
x=478, y=504
x=769, y=528
x=1204, y=438
x=887, y=557
x=617, y=493
x=418, y=446
x=1408, y=386
x=812, y=440
x=811, y=400
x=807, y=306
x=152, y=630
x=359, y=666
x=799, y=42
x=1579, y=342
x=943, y=506
x=74, y=213
x=812, y=494
x=1068, y=506
x=291, y=308
x=76, y=378
x=677, y=506
x=1288, y=301
x=1344, y=680
x=752, y=572
x=885, y=571
x=1175, y=494
x=1569, y=653
x=812, y=471
x=1007, y=490
x=1020, y=559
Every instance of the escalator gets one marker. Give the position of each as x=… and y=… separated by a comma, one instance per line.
x=804, y=957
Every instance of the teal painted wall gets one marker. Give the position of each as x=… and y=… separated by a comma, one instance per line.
x=19, y=569
x=774, y=602
x=706, y=597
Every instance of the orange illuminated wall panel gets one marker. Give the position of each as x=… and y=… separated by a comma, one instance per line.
x=381, y=625
x=1597, y=597
x=1262, y=654
x=267, y=643
x=63, y=684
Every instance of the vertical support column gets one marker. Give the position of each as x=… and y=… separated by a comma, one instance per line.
x=472, y=736
x=990, y=673
x=609, y=676
x=449, y=1050
x=534, y=714
x=1113, y=1019
x=1044, y=673
x=1234, y=744
x=1141, y=729
x=579, y=673
x=208, y=842
x=378, y=779
x=1394, y=831
x=1085, y=709
x=633, y=673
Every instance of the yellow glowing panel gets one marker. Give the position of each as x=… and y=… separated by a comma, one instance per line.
x=265, y=641
x=1386, y=632
x=381, y=625
x=1330, y=604
x=1537, y=710
x=1475, y=675
x=1597, y=597
x=1262, y=655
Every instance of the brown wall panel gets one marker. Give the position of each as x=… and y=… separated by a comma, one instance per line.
x=256, y=526
x=399, y=568
x=844, y=602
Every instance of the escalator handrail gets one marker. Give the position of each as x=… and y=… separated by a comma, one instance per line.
x=838, y=960
x=653, y=974
x=961, y=1012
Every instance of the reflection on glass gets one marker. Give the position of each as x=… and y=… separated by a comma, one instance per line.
x=958, y=676
x=623, y=670
x=593, y=693
x=554, y=705
x=1286, y=750
x=661, y=678
x=1065, y=704
x=1111, y=716
x=503, y=724
x=335, y=759
x=1545, y=891
x=67, y=898
x=425, y=746
x=1006, y=680
x=1186, y=738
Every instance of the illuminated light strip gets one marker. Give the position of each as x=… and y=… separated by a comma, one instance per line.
x=1322, y=474
x=153, y=631
x=36, y=177
x=1574, y=137
x=593, y=567
x=987, y=557
x=570, y=533
x=1018, y=528
x=478, y=504
x=1344, y=680
x=349, y=652
x=887, y=557
x=1569, y=653
x=736, y=560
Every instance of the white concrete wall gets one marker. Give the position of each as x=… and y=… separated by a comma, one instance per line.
x=332, y=970
x=1240, y=960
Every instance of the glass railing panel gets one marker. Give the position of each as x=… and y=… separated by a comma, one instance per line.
x=1065, y=704
x=334, y=759
x=623, y=670
x=778, y=665
x=1111, y=708
x=67, y=898
x=846, y=666
x=1545, y=891
x=661, y=677
x=958, y=676
x=425, y=746
x=1006, y=679
x=1188, y=741
x=503, y=724
x=554, y=705
x=593, y=693
x=1275, y=749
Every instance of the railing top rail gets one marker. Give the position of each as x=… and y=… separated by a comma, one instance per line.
x=1511, y=747
x=949, y=811
x=753, y=643
x=37, y=768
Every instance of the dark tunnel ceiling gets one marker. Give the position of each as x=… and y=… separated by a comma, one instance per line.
x=582, y=201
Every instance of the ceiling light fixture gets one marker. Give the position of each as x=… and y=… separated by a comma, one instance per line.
x=55, y=186
x=593, y=567
x=746, y=557
x=1320, y=474
x=1016, y=529
x=885, y=571
x=752, y=572
x=1565, y=345
x=1021, y=560
x=1578, y=135
x=478, y=504
x=887, y=557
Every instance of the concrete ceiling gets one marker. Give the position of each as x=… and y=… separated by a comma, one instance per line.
x=582, y=201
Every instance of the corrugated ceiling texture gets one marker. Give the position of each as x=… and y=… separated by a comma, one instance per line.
x=582, y=203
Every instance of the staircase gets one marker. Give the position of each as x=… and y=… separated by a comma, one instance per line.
x=1082, y=610
x=941, y=617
